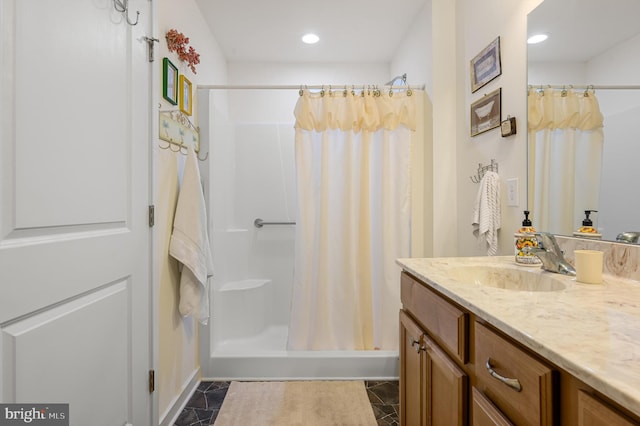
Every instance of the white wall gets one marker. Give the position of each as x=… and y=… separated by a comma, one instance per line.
x=178, y=349
x=479, y=24
x=414, y=54
x=414, y=57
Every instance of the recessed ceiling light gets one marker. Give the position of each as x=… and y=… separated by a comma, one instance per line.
x=310, y=38
x=537, y=38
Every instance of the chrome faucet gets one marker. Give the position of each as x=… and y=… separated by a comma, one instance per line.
x=550, y=254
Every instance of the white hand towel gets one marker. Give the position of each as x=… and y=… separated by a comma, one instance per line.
x=486, y=212
x=190, y=243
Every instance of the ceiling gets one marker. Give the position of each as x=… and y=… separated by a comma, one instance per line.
x=362, y=31
x=581, y=29
x=369, y=31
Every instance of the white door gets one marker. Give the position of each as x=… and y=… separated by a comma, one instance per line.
x=74, y=189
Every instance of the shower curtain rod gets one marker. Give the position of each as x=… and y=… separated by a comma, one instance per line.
x=584, y=86
x=298, y=87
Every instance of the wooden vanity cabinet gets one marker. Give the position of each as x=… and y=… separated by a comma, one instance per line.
x=433, y=388
x=412, y=371
x=485, y=413
x=520, y=385
x=593, y=412
x=445, y=380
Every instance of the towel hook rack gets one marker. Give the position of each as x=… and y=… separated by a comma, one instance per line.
x=483, y=169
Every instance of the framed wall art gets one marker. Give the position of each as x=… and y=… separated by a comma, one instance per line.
x=169, y=82
x=186, y=95
x=486, y=112
x=486, y=65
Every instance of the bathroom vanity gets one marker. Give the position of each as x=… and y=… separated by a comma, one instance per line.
x=486, y=342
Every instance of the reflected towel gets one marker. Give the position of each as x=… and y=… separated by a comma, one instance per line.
x=190, y=243
x=486, y=212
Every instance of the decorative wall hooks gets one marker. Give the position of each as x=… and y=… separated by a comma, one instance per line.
x=122, y=6
x=177, y=129
x=483, y=169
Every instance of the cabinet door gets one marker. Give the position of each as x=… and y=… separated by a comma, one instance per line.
x=592, y=412
x=411, y=373
x=446, y=388
x=484, y=413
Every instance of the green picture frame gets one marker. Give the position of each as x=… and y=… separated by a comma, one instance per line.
x=169, y=82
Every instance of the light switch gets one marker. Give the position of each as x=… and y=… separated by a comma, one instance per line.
x=513, y=198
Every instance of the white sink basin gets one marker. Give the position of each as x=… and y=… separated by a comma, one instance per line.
x=518, y=278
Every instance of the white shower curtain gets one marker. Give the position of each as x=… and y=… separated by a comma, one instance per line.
x=353, y=221
x=565, y=157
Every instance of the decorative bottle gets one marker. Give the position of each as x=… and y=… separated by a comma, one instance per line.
x=525, y=237
x=587, y=230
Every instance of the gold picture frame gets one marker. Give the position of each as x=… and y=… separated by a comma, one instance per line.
x=186, y=95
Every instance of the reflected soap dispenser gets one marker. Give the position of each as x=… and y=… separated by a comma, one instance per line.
x=587, y=230
x=525, y=237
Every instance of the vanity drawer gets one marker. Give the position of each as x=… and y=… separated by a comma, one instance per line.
x=443, y=321
x=484, y=413
x=533, y=403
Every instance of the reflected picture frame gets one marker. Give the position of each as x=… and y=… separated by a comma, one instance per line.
x=486, y=65
x=186, y=95
x=486, y=112
x=169, y=82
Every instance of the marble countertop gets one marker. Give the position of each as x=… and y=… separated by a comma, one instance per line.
x=590, y=330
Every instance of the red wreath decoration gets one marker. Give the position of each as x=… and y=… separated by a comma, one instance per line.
x=177, y=42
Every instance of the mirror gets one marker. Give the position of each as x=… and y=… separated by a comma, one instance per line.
x=591, y=42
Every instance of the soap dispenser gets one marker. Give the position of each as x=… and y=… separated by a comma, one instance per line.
x=587, y=230
x=525, y=237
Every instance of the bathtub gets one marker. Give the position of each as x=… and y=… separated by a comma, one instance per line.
x=248, y=343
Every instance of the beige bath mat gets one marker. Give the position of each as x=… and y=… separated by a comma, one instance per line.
x=303, y=403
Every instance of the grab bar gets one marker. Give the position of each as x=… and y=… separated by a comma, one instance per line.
x=259, y=223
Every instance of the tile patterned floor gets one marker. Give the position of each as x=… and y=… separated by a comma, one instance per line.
x=202, y=409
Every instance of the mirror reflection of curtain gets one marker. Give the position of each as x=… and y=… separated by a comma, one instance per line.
x=565, y=156
x=353, y=218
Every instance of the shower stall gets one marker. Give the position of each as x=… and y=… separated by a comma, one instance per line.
x=250, y=136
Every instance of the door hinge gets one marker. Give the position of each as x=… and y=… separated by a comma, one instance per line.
x=150, y=41
x=152, y=215
x=152, y=381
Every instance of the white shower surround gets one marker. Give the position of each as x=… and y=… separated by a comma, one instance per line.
x=252, y=176
x=251, y=345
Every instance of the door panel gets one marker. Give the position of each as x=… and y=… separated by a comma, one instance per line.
x=74, y=188
x=72, y=326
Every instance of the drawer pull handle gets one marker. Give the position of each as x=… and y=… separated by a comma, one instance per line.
x=418, y=348
x=512, y=383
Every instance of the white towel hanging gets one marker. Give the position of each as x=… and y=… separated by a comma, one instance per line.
x=486, y=213
x=190, y=243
